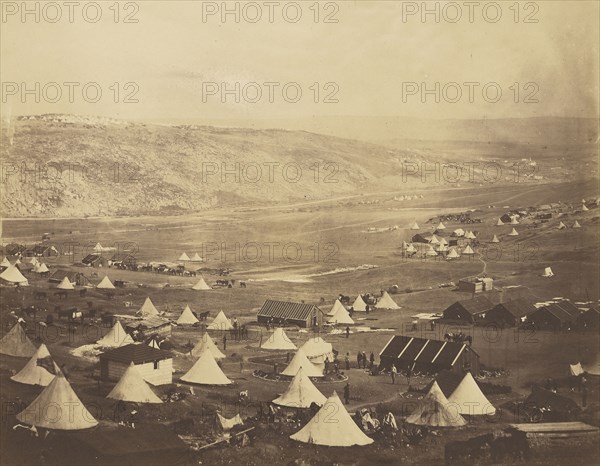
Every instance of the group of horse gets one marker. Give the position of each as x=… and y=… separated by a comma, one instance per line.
x=459, y=337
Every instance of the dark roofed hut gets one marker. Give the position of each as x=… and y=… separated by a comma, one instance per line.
x=469, y=310
x=510, y=313
x=285, y=312
x=431, y=356
x=154, y=365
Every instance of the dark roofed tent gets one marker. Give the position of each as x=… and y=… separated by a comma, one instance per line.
x=285, y=312
x=76, y=278
x=94, y=260
x=420, y=354
x=468, y=310
x=557, y=407
x=510, y=313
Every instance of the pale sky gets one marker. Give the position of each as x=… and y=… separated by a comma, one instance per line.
x=369, y=53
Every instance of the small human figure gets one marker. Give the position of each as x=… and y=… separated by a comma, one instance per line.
x=275, y=368
x=371, y=360
x=347, y=331
x=347, y=393
x=358, y=359
x=347, y=361
x=364, y=360
x=224, y=342
x=393, y=373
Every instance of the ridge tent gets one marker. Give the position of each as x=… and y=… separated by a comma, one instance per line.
x=278, y=340
x=15, y=343
x=470, y=399
x=317, y=350
x=13, y=275
x=207, y=343
x=65, y=284
x=339, y=430
x=359, y=305
x=183, y=257
x=148, y=308
x=133, y=388
x=196, y=258
x=206, y=371
x=187, y=317
x=548, y=272
x=513, y=233
x=576, y=369
x=221, y=322
x=201, y=285
x=433, y=410
x=39, y=370
x=58, y=393
x=115, y=337
x=300, y=361
x=336, y=306
x=300, y=393
x=386, y=302
x=105, y=284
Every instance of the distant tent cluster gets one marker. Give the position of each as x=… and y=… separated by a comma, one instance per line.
x=185, y=258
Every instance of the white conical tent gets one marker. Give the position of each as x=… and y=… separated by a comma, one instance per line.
x=148, y=308
x=434, y=410
x=386, y=302
x=201, y=285
x=18, y=261
x=441, y=248
x=69, y=412
x=105, y=284
x=336, y=306
x=221, y=322
x=35, y=373
x=116, y=337
x=470, y=399
x=440, y=226
x=300, y=393
x=196, y=258
x=415, y=226
x=468, y=250
x=43, y=268
x=434, y=240
x=584, y=208
x=514, y=220
x=98, y=248
x=317, y=350
x=5, y=263
x=36, y=267
x=153, y=343
x=15, y=343
x=470, y=235
x=338, y=429
x=301, y=361
x=513, y=233
x=495, y=239
x=207, y=343
x=359, y=305
x=133, y=388
x=278, y=340
x=499, y=223
x=452, y=254
x=443, y=242
x=576, y=224
x=65, y=284
x=410, y=248
x=187, y=317
x=561, y=226
x=206, y=371
x=13, y=275
x=430, y=252
x=184, y=257
x=342, y=317
x=548, y=272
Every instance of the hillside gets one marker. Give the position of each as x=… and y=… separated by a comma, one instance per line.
x=113, y=167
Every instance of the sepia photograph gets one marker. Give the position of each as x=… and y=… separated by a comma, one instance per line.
x=300, y=233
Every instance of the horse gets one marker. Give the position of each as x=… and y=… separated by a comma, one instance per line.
x=203, y=315
x=242, y=284
x=473, y=449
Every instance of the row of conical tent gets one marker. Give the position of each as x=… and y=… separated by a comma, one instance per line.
x=195, y=258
